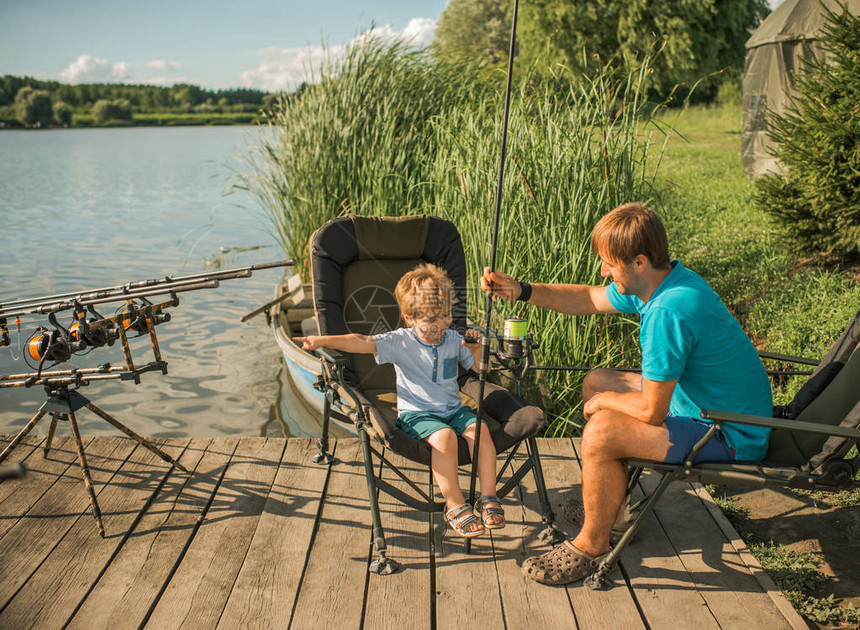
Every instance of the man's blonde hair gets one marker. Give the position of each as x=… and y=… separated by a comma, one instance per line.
x=425, y=291
x=629, y=230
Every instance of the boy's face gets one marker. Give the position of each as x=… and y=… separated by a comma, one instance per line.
x=429, y=329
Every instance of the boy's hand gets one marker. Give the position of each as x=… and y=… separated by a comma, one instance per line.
x=504, y=286
x=309, y=343
x=474, y=346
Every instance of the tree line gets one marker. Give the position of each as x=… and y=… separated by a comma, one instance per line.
x=695, y=38
x=37, y=103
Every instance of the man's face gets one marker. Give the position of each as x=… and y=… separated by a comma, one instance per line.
x=626, y=276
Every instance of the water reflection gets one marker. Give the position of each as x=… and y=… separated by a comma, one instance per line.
x=86, y=208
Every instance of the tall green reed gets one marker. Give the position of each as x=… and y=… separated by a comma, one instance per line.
x=390, y=131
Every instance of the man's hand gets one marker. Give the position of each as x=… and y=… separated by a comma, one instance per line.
x=503, y=285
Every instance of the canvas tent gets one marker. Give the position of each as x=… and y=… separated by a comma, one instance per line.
x=774, y=53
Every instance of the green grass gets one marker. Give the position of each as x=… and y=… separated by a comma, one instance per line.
x=786, y=303
x=797, y=576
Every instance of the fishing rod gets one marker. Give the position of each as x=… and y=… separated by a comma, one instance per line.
x=143, y=288
x=485, y=341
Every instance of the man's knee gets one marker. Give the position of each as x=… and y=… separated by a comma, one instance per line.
x=597, y=434
x=605, y=380
x=443, y=439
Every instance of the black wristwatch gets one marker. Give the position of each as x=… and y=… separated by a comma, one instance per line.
x=525, y=292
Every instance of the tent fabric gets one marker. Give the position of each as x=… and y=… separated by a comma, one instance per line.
x=774, y=54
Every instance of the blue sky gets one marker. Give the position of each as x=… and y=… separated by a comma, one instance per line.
x=264, y=44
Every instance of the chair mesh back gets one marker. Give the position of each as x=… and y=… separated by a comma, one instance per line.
x=356, y=262
x=829, y=397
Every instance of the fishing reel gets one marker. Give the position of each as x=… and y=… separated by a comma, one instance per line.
x=133, y=316
x=55, y=345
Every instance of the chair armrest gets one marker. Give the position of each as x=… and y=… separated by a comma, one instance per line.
x=787, y=357
x=335, y=357
x=780, y=423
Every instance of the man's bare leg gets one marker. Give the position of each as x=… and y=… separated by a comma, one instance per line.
x=603, y=380
x=608, y=438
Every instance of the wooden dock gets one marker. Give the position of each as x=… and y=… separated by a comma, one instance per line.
x=259, y=536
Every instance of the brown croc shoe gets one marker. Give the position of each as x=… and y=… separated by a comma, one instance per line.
x=562, y=565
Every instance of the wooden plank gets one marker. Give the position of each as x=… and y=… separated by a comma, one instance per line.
x=265, y=590
x=732, y=594
x=767, y=584
x=613, y=608
x=198, y=590
x=25, y=449
x=526, y=603
x=18, y=496
x=37, y=533
x=132, y=583
x=467, y=586
x=407, y=538
x=666, y=592
x=76, y=563
x=333, y=587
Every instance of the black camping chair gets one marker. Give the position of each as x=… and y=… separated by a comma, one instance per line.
x=356, y=262
x=811, y=437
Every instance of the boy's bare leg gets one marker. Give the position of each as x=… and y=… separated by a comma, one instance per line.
x=486, y=463
x=443, y=462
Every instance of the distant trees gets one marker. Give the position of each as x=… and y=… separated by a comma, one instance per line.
x=475, y=27
x=63, y=114
x=105, y=111
x=699, y=36
x=34, y=108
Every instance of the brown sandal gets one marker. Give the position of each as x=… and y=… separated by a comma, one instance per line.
x=486, y=513
x=562, y=565
x=460, y=518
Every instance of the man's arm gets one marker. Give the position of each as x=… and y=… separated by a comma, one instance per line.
x=650, y=405
x=570, y=299
x=358, y=344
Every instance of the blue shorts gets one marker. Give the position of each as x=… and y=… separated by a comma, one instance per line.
x=420, y=424
x=684, y=432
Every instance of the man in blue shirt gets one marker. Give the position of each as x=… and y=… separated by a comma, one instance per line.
x=694, y=356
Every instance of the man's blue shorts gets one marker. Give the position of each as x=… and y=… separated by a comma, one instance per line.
x=420, y=424
x=684, y=432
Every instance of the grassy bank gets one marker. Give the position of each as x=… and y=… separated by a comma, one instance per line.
x=786, y=303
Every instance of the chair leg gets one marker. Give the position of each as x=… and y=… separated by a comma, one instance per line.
x=382, y=565
x=549, y=534
x=597, y=581
x=324, y=457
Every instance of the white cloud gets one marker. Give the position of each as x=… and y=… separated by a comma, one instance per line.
x=91, y=69
x=286, y=68
x=163, y=64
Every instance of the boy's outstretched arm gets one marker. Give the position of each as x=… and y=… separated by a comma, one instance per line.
x=359, y=344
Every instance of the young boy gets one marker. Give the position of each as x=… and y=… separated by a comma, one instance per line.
x=425, y=357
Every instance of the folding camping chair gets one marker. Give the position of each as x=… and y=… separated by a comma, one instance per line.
x=811, y=437
x=356, y=262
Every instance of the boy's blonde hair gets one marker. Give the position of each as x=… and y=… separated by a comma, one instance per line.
x=425, y=291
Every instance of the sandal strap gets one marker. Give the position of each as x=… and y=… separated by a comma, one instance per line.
x=460, y=515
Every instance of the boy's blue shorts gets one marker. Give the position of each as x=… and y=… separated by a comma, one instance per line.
x=420, y=424
x=684, y=432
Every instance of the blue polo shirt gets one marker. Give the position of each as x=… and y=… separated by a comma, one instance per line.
x=426, y=373
x=687, y=333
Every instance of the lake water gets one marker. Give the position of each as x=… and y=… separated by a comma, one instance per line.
x=87, y=208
